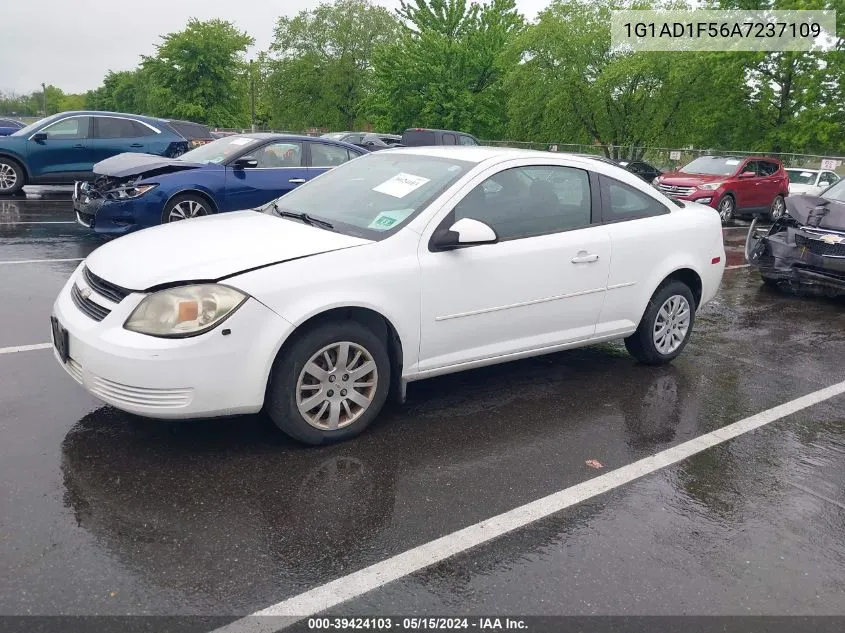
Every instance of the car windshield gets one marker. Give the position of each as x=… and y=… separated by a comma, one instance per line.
x=29, y=129
x=800, y=177
x=712, y=166
x=373, y=196
x=218, y=151
x=836, y=192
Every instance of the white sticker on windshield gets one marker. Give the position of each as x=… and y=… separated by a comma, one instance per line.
x=401, y=185
x=240, y=141
x=731, y=162
x=388, y=219
x=807, y=174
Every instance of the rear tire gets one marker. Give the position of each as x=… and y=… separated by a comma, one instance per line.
x=777, y=209
x=666, y=325
x=12, y=176
x=316, y=396
x=185, y=207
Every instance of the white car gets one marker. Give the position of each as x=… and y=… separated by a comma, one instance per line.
x=397, y=266
x=810, y=181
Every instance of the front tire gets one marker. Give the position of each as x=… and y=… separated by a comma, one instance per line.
x=330, y=384
x=185, y=207
x=12, y=177
x=666, y=325
x=727, y=208
x=777, y=209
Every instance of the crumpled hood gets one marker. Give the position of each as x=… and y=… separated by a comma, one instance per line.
x=803, y=208
x=132, y=164
x=209, y=248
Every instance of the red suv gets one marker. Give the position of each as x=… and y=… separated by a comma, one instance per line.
x=733, y=186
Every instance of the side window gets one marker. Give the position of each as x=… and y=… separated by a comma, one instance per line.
x=752, y=167
x=139, y=129
x=637, y=168
x=449, y=139
x=529, y=201
x=829, y=177
x=277, y=155
x=463, y=139
x=622, y=202
x=766, y=168
x=110, y=127
x=324, y=155
x=72, y=128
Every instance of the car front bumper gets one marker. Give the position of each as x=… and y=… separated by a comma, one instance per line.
x=201, y=376
x=117, y=217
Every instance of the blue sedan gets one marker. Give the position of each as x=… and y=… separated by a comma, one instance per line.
x=10, y=126
x=63, y=148
x=244, y=171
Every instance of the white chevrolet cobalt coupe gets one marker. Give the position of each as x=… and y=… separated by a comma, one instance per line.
x=397, y=266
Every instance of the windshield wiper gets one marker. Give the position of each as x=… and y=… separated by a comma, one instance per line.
x=303, y=217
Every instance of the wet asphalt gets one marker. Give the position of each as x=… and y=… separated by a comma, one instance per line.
x=106, y=513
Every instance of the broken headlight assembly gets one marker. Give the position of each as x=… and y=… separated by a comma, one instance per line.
x=130, y=191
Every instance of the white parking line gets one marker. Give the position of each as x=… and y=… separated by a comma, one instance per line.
x=16, y=223
x=25, y=348
x=737, y=266
x=41, y=261
x=358, y=583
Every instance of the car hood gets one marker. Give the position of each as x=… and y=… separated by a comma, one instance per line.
x=689, y=180
x=817, y=211
x=133, y=164
x=209, y=249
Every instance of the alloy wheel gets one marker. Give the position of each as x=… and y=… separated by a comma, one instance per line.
x=336, y=386
x=186, y=209
x=726, y=209
x=778, y=207
x=672, y=324
x=8, y=176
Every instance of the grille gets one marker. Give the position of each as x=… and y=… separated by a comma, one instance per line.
x=102, y=287
x=74, y=370
x=140, y=396
x=820, y=248
x=676, y=190
x=88, y=307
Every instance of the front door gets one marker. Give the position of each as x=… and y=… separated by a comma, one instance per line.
x=540, y=285
x=747, y=190
x=63, y=155
x=281, y=168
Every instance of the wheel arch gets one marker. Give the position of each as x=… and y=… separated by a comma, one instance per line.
x=14, y=157
x=688, y=277
x=370, y=318
x=195, y=192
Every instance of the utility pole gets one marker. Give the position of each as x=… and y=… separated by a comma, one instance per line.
x=44, y=97
x=252, y=91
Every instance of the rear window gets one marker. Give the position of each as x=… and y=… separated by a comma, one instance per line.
x=419, y=137
x=191, y=131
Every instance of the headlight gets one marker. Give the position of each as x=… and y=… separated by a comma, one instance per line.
x=711, y=186
x=184, y=311
x=123, y=193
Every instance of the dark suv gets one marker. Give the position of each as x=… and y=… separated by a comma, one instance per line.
x=416, y=137
x=733, y=186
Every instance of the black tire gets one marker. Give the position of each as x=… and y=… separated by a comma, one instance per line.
x=281, y=400
x=727, y=208
x=185, y=202
x=777, y=209
x=11, y=170
x=641, y=344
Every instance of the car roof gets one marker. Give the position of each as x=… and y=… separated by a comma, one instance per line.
x=481, y=153
x=810, y=169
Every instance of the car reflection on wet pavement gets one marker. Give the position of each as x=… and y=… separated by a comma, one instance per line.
x=109, y=513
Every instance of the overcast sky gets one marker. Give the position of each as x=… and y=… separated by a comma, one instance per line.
x=72, y=45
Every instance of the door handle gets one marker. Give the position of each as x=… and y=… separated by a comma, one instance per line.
x=584, y=258
x=78, y=147
x=296, y=181
x=137, y=145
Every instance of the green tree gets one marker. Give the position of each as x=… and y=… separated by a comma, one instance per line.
x=448, y=67
x=197, y=74
x=319, y=72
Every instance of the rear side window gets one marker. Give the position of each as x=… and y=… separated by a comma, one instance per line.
x=191, y=131
x=449, y=139
x=110, y=127
x=767, y=168
x=328, y=155
x=621, y=202
x=463, y=139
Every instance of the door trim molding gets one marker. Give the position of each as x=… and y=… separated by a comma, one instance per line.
x=521, y=304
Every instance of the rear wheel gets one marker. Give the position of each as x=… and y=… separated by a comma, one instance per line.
x=727, y=208
x=12, y=176
x=330, y=383
x=185, y=207
x=777, y=209
x=666, y=325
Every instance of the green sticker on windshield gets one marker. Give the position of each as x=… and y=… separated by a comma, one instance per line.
x=388, y=219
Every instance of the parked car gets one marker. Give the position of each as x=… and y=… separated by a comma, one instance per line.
x=733, y=186
x=642, y=169
x=63, y=148
x=10, y=126
x=419, y=137
x=395, y=267
x=810, y=181
x=361, y=138
x=804, y=250
x=133, y=191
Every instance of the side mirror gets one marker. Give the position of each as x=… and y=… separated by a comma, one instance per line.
x=39, y=136
x=824, y=183
x=464, y=232
x=245, y=162
x=747, y=174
